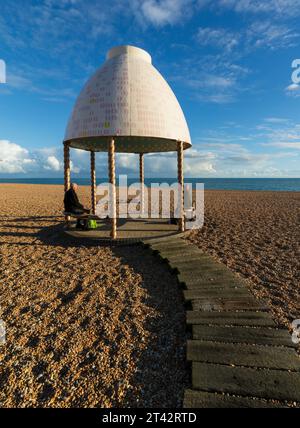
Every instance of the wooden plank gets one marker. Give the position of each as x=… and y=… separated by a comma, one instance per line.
x=178, y=251
x=193, y=255
x=247, y=335
x=243, y=355
x=221, y=283
x=198, y=259
x=192, y=276
x=249, y=382
x=200, y=264
x=205, y=276
x=208, y=400
x=173, y=263
x=205, y=269
x=230, y=304
x=199, y=293
x=181, y=260
x=165, y=255
x=173, y=243
x=170, y=244
x=255, y=319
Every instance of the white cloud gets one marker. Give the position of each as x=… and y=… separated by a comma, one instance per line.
x=197, y=163
x=13, y=158
x=211, y=78
x=293, y=90
x=216, y=155
x=293, y=87
x=281, y=135
x=289, y=8
x=259, y=34
x=75, y=169
x=218, y=37
x=214, y=89
x=276, y=120
x=266, y=34
x=128, y=161
x=279, y=138
x=52, y=164
x=163, y=12
x=18, y=81
x=212, y=82
x=195, y=168
x=285, y=145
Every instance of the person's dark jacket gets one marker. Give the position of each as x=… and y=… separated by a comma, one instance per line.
x=71, y=202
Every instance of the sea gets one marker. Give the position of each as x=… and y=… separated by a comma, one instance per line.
x=262, y=184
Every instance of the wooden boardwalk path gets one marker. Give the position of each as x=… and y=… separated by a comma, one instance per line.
x=239, y=357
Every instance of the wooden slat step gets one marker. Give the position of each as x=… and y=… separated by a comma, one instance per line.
x=209, y=400
x=196, y=266
x=192, y=276
x=193, y=255
x=239, y=358
x=243, y=355
x=202, y=260
x=199, y=293
x=173, y=263
x=228, y=304
x=195, y=259
x=166, y=254
x=162, y=240
x=186, y=258
x=221, y=283
x=247, y=335
x=266, y=384
x=254, y=319
x=174, y=243
x=169, y=244
x=180, y=251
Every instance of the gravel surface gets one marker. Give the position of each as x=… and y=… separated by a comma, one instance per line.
x=257, y=234
x=87, y=326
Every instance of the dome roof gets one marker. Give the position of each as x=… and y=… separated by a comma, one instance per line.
x=127, y=98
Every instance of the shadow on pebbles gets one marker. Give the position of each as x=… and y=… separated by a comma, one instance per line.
x=87, y=326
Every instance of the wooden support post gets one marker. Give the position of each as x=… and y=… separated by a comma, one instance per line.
x=181, y=225
x=142, y=182
x=67, y=169
x=93, y=183
x=112, y=180
x=67, y=172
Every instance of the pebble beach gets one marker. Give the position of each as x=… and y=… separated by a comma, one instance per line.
x=257, y=235
x=100, y=326
x=87, y=326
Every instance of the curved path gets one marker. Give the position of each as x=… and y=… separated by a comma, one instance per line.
x=239, y=357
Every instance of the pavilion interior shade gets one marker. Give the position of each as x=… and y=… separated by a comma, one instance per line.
x=127, y=99
x=127, y=144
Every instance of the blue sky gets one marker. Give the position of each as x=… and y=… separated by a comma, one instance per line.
x=229, y=62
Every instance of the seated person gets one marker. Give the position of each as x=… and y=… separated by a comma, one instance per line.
x=73, y=206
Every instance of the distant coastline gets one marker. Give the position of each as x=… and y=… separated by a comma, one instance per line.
x=255, y=184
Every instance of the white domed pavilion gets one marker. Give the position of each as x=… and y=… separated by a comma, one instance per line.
x=126, y=107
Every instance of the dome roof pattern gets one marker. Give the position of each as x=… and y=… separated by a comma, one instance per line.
x=127, y=98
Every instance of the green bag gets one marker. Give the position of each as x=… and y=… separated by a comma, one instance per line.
x=92, y=224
